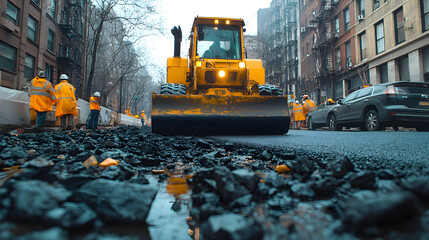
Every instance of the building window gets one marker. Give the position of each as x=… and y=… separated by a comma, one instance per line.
x=399, y=26
x=35, y=1
x=425, y=14
x=308, y=48
x=314, y=40
x=404, y=71
x=347, y=19
x=362, y=42
x=348, y=54
x=337, y=25
x=361, y=8
x=7, y=57
x=29, y=66
x=426, y=64
x=379, y=35
x=48, y=72
x=384, y=78
x=339, y=89
x=12, y=13
x=32, y=29
x=53, y=9
x=338, y=59
x=51, y=40
x=376, y=4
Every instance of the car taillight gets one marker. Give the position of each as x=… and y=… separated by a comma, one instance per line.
x=390, y=89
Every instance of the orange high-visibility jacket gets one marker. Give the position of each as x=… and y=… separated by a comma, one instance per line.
x=308, y=105
x=297, y=112
x=128, y=112
x=42, y=95
x=94, y=103
x=66, y=99
x=143, y=116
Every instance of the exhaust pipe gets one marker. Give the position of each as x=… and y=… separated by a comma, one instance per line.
x=177, y=33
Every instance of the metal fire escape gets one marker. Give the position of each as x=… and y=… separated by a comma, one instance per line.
x=326, y=39
x=71, y=47
x=276, y=59
x=323, y=46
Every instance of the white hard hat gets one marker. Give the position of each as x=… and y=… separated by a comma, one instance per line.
x=97, y=94
x=41, y=74
x=296, y=101
x=64, y=77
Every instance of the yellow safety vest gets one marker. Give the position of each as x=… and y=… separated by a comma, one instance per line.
x=42, y=95
x=66, y=99
x=308, y=106
x=94, y=103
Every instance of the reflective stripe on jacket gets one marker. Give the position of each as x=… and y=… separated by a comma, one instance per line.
x=308, y=106
x=94, y=103
x=66, y=99
x=42, y=95
x=298, y=115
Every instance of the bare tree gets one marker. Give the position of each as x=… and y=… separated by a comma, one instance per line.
x=137, y=21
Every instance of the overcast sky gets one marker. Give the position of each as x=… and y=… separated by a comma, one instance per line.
x=183, y=12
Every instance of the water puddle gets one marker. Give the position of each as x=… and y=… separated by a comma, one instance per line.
x=8, y=173
x=170, y=209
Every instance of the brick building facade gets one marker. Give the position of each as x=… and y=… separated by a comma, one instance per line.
x=344, y=45
x=39, y=35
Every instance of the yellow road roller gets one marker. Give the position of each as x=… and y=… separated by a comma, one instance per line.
x=216, y=90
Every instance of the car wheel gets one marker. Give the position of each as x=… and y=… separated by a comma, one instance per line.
x=310, y=124
x=422, y=129
x=333, y=125
x=372, y=121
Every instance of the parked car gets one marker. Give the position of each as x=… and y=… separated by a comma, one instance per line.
x=372, y=108
x=319, y=117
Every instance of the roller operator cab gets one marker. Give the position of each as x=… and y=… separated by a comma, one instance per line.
x=216, y=91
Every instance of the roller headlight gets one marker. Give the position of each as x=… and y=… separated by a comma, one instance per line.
x=242, y=65
x=221, y=73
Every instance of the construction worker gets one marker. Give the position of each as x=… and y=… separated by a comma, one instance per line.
x=143, y=118
x=292, y=114
x=298, y=115
x=307, y=105
x=128, y=112
x=94, y=106
x=42, y=97
x=66, y=102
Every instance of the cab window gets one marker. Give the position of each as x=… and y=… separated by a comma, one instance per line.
x=218, y=42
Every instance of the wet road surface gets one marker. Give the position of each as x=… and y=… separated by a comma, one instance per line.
x=297, y=186
x=401, y=147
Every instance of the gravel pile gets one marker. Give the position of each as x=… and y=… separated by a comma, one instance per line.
x=52, y=187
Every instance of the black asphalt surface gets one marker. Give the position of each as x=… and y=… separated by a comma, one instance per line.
x=296, y=186
x=382, y=148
